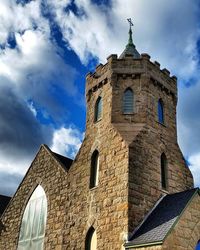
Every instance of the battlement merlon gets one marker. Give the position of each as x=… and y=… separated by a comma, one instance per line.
x=128, y=66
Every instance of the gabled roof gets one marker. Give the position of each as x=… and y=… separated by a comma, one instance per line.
x=66, y=162
x=4, y=200
x=63, y=161
x=161, y=219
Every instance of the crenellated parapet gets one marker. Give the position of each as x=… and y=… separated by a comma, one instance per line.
x=128, y=67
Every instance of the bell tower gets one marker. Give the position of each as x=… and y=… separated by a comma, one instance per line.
x=138, y=102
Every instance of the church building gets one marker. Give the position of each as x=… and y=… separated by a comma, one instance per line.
x=128, y=187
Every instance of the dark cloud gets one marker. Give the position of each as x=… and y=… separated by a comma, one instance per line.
x=50, y=88
x=20, y=132
x=20, y=137
x=9, y=183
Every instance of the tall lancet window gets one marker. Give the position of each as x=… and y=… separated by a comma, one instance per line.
x=163, y=164
x=160, y=111
x=91, y=240
x=98, y=109
x=33, y=223
x=94, y=170
x=128, y=101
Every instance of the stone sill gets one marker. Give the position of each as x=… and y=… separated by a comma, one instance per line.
x=165, y=191
x=98, y=120
x=128, y=113
x=93, y=188
x=162, y=124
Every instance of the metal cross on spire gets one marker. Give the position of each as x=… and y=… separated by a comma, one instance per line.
x=130, y=49
x=130, y=22
x=130, y=40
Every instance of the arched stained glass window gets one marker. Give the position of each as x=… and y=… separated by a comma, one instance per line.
x=91, y=240
x=160, y=111
x=98, y=109
x=163, y=164
x=33, y=223
x=94, y=171
x=128, y=101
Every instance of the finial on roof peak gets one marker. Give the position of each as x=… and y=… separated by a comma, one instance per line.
x=130, y=47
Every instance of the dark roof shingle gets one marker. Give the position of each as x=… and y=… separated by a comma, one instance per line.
x=66, y=162
x=4, y=200
x=161, y=218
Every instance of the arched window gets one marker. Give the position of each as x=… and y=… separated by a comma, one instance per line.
x=33, y=223
x=91, y=240
x=160, y=111
x=94, y=171
x=98, y=109
x=128, y=101
x=198, y=246
x=163, y=163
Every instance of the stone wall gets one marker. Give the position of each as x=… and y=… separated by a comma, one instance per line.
x=145, y=173
x=47, y=172
x=104, y=207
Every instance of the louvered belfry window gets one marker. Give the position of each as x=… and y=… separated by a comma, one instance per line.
x=128, y=101
x=32, y=230
x=98, y=109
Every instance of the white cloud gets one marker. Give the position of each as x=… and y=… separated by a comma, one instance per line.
x=32, y=108
x=30, y=53
x=18, y=18
x=13, y=166
x=87, y=34
x=169, y=37
x=67, y=141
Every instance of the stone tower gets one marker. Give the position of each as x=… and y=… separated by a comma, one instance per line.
x=151, y=164
x=128, y=160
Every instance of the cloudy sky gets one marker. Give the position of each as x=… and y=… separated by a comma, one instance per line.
x=48, y=46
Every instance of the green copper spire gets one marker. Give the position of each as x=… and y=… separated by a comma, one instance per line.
x=130, y=47
x=130, y=40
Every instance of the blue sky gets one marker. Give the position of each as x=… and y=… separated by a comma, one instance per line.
x=48, y=46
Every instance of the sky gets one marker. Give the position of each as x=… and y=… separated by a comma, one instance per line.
x=46, y=49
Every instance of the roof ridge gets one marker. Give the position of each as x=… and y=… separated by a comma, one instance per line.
x=61, y=155
x=191, y=189
x=5, y=196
